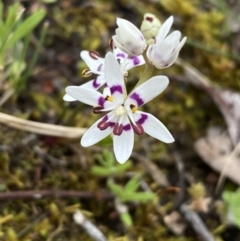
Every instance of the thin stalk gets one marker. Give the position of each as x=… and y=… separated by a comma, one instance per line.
x=212, y=50
x=146, y=74
x=22, y=81
x=25, y=47
x=220, y=229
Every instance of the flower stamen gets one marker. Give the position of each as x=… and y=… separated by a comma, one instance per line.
x=94, y=54
x=138, y=129
x=103, y=125
x=133, y=108
x=86, y=73
x=97, y=109
x=111, y=44
x=109, y=98
x=117, y=129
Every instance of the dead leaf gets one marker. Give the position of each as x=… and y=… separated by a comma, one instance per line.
x=217, y=151
x=227, y=101
x=175, y=222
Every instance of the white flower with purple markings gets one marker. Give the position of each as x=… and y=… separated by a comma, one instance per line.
x=129, y=38
x=123, y=118
x=164, y=52
x=96, y=66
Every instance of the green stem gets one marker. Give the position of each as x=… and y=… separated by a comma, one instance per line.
x=146, y=74
x=125, y=94
x=220, y=229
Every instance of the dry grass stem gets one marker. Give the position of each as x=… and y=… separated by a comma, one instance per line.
x=41, y=128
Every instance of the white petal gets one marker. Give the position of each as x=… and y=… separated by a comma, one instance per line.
x=176, y=52
x=129, y=38
x=128, y=30
x=164, y=63
x=167, y=46
x=68, y=98
x=118, y=44
x=119, y=54
x=106, y=91
x=95, y=84
x=164, y=29
x=123, y=144
x=153, y=127
x=125, y=24
x=150, y=53
x=181, y=44
x=84, y=95
x=147, y=91
x=133, y=61
x=114, y=77
x=95, y=65
x=94, y=134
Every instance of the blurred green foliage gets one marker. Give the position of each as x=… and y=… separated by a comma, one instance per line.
x=232, y=201
x=78, y=25
x=14, y=44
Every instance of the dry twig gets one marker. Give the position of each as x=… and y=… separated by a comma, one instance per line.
x=51, y=193
x=41, y=153
x=88, y=226
x=152, y=169
x=41, y=128
x=196, y=223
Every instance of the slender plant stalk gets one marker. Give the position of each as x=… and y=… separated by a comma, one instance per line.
x=22, y=81
x=147, y=72
x=41, y=128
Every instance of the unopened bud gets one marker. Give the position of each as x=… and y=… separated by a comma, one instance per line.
x=150, y=26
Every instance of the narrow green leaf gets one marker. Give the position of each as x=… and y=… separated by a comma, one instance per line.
x=116, y=189
x=2, y=31
x=126, y=219
x=12, y=15
x=27, y=26
x=22, y=81
x=100, y=171
x=120, y=168
x=140, y=197
x=232, y=200
x=1, y=11
x=110, y=160
x=132, y=185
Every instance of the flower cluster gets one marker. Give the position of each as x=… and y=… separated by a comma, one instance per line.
x=122, y=115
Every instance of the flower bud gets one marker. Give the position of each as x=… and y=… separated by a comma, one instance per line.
x=129, y=38
x=150, y=26
x=164, y=52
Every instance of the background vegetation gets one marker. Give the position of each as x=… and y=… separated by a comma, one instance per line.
x=44, y=179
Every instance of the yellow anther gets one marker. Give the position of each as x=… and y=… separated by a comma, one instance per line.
x=133, y=108
x=110, y=98
x=86, y=73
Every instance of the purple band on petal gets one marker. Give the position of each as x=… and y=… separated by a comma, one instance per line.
x=142, y=119
x=137, y=98
x=116, y=88
x=95, y=84
x=101, y=101
x=99, y=67
x=105, y=118
x=135, y=59
x=127, y=127
x=121, y=55
x=111, y=124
